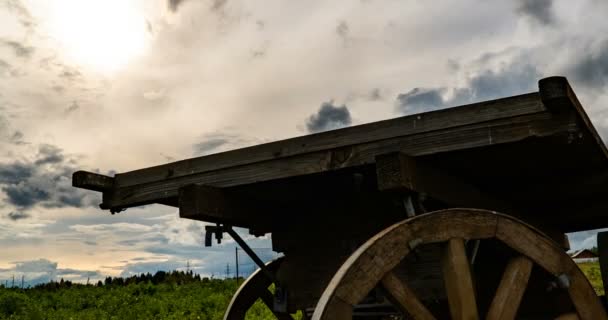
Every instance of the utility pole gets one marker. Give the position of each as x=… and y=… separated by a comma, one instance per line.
x=227, y=270
x=13, y=284
x=22, y=281
x=236, y=263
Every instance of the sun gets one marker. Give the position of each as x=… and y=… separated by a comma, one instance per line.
x=102, y=34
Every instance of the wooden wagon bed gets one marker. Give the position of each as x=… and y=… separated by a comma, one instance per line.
x=536, y=152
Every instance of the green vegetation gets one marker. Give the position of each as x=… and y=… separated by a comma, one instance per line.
x=592, y=271
x=175, y=295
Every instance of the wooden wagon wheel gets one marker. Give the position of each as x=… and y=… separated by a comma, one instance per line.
x=254, y=288
x=374, y=262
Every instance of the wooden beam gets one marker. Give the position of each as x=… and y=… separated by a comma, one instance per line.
x=511, y=289
x=459, y=138
x=458, y=281
x=602, y=248
x=400, y=172
x=212, y=204
x=92, y=181
x=557, y=96
x=405, y=297
x=410, y=125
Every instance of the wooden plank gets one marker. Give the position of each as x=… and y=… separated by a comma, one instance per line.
x=92, y=181
x=458, y=281
x=511, y=289
x=415, y=124
x=400, y=172
x=405, y=297
x=212, y=204
x=557, y=95
x=602, y=248
x=471, y=136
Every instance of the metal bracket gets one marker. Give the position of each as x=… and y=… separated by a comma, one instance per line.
x=280, y=297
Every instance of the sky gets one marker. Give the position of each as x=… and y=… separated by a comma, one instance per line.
x=116, y=85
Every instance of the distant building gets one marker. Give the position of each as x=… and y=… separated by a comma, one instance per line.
x=584, y=255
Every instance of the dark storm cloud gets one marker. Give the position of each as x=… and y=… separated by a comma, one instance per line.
x=329, y=117
x=45, y=180
x=516, y=78
x=173, y=5
x=49, y=154
x=591, y=69
x=419, y=100
x=18, y=48
x=539, y=10
x=17, y=215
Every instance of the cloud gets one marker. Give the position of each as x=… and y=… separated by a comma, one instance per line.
x=591, y=67
x=343, y=31
x=19, y=49
x=25, y=17
x=43, y=270
x=173, y=5
x=45, y=180
x=218, y=142
x=18, y=215
x=510, y=79
x=329, y=117
x=540, y=11
x=49, y=154
x=419, y=100
x=584, y=239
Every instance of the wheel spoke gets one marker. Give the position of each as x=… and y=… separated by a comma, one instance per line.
x=458, y=282
x=268, y=300
x=405, y=297
x=511, y=289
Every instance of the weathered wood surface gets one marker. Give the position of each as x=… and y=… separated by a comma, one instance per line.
x=458, y=138
x=387, y=129
x=405, y=298
x=92, y=181
x=511, y=289
x=458, y=281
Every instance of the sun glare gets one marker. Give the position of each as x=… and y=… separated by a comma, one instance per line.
x=102, y=34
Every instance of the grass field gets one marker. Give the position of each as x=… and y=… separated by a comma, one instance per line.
x=592, y=271
x=176, y=296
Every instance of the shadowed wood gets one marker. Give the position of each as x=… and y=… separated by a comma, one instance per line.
x=405, y=297
x=511, y=289
x=568, y=316
x=368, y=265
x=409, y=125
x=92, y=181
x=458, y=282
x=401, y=172
x=458, y=138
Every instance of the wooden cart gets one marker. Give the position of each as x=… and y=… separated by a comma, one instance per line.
x=399, y=219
